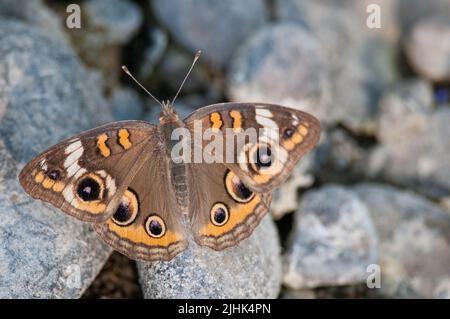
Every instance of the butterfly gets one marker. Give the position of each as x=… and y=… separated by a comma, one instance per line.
x=122, y=178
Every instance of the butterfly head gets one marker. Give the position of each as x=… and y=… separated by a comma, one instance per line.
x=168, y=113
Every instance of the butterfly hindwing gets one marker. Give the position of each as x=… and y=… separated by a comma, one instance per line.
x=147, y=224
x=86, y=175
x=223, y=209
x=284, y=134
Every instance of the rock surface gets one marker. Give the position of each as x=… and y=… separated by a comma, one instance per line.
x=428, y=48
x=45, y=95
x=333, y=240
x=252, y=269
x=215, y=26
x=126, y=104
x=415, y=140
x=281, y=64
x=414, y=242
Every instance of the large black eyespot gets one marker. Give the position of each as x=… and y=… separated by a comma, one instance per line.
x=155, y=226
x=89, y=189
x=237, y=189
x=54, y=174
x=128, y=209
x=263, y=157
x=219, y=214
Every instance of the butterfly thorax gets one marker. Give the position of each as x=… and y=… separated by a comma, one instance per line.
x=169, y=121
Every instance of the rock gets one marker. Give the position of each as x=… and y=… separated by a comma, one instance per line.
x=36, y=14
x=215, y=27
x=252, y=269
x=332, y=242
x=428, y=48
x=126, y=104
x=45, y=95
x=360, y=61
x=411, y=12
x=414, y=242
x=285, y=197
x=280, y=64
x=407, y=102
x=415, y=142
x=107, y=25
x=117, y=20
x=340, y=158
x=173, y=68
x=153, y=51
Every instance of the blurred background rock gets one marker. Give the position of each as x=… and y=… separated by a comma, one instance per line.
x=375, y=191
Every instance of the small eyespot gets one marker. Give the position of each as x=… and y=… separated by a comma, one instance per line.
x=54, y=174
x=288, y=133
x=128, y=209
x=262, y=157
x=90, y=188
x=219, y=214
x=237, y=189
x=155, y=226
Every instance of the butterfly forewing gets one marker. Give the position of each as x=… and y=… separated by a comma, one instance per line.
x=86, y=175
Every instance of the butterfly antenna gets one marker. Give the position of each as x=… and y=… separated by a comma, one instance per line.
x=197, y=55
x=125, y=69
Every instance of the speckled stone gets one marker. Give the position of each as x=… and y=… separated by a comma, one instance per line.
x=45, y=95
x=252, y=269
x=214, y=26
x=428, y=48
x=414, y=242
x=281, y=64
x=415, y=140
x=333, y=240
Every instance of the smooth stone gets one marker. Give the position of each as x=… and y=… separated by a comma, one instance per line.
x=411, y=12
x=45, y=95
x=415, y=142
x=281, y=64
x=214, y=26
x=37, y=15
x=428, y=48
x=360, y=61
x=414, y=242
x=285, y=197
x=126, y=104
x=252, y=269
x=118, y=20
x=333, y=240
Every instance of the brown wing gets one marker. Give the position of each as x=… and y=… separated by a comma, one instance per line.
x=283, y=136
x=223, y=210
x=86, y=175
x=147, y=225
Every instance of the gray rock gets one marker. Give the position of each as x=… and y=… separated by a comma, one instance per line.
x=126, y=104
x=414, y=242
x=285, y=197
x=428, y=48
x=280, y=64
x=173, y=68
x=340, y=158
x=214, y=26
x=415, y=142
x=407, y=101
x=118, y=20
x=45, y=95
x=252, y=269
x=106, y=26
x=153, y=51
x=333, y=240
x=36, y=14
x=411, y=12
x=360, y=60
